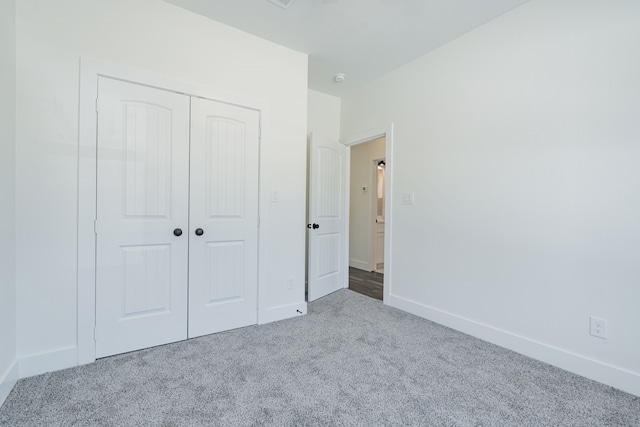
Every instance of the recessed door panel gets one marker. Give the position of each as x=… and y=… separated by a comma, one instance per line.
x=147, y=135
x=225, y=262
x=226, y=161
x=223, y=243
x=329, y=182
x=147, y=280
x=328, y=255
x=142, y=197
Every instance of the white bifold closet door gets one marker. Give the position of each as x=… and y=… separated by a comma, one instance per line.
x=176, y=228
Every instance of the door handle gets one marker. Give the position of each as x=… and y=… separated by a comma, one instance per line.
x=199, y=231
x=314, y=226
x=177, y=232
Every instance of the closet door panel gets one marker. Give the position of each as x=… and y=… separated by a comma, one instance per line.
x=223, y=246
x=142, y=198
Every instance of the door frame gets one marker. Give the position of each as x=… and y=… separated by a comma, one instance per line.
x=374, y=211
x=90, y=71
x=387, y=132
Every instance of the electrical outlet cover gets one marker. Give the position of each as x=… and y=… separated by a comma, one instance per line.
x=598, y=327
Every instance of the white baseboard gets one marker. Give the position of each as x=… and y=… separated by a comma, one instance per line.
x=8, y=380
x=282, y=312
x=54, y=360
x=360, y=265
x=610, y=375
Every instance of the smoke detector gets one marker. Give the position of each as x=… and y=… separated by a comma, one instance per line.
x=282, y=3
x=339, y=77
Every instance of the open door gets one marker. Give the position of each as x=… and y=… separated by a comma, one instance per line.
x=327, y=217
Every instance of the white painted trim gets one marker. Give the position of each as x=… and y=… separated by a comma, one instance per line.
x=598, y=371
x=387, y=132
x=263, y=212
x=347, y=213
x=373, y=195
x=8, y=380
x=48, y=361
x=274, y=314
x=359, y=264
x=90, y=71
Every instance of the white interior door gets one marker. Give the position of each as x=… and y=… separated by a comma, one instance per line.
x=327, y=187
x=223, y=235
x=142, y=202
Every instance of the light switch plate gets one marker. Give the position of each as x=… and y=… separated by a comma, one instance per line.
x=408, y=198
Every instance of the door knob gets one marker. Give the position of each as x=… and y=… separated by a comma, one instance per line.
x=199, y=231
x=177, y=232
x=316, y=226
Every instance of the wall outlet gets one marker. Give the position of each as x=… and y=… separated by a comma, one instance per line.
x=598, y=327
x=290, y=283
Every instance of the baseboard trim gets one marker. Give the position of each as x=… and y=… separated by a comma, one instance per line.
x=8, y=380
x=598, y=371
x=283, y=312
x=48, y=361
x=360, y=265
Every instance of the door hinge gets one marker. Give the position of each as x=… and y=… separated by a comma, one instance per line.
x=258, y=221
x=95, y=226
x=97, y=103
x=260, y=133
x=95, y=334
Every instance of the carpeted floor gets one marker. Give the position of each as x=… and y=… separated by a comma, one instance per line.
x=350, y=362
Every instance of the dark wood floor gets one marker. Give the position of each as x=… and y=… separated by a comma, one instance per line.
x=368, y=283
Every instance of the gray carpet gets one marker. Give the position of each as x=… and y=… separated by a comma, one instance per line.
x=350, y=362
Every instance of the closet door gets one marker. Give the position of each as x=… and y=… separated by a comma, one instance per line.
x=223, y=248
x=142, y=225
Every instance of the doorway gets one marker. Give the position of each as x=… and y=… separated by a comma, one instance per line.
x=366, y=217
x=329, y=199
x=370, y=212
x=379, y=168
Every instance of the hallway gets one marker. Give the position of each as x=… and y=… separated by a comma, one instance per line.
x=366, y=283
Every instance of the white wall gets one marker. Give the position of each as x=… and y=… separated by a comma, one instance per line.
x=323, y=114
x=521, y=142
x=154, y=36
x=361, y=215
x=7, y=198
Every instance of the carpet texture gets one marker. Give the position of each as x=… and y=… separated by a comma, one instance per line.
x=350, y=362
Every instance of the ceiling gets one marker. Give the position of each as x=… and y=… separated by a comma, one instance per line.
x=363, y=39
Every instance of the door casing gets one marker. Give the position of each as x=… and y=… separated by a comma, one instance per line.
x=375, y=248
x=90, y=70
